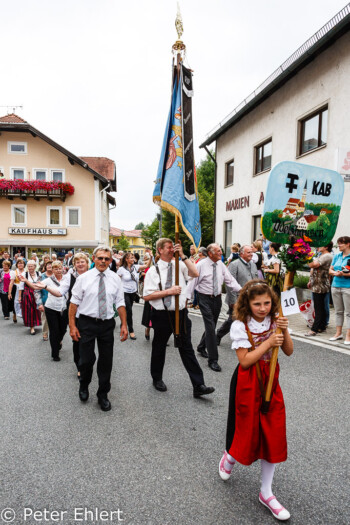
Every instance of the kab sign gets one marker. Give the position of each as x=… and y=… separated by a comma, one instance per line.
x=303, y=201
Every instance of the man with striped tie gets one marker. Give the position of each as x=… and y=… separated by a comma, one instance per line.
x=160, y=290
x=94, y=293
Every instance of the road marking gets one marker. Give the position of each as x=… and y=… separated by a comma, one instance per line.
x=321, y=344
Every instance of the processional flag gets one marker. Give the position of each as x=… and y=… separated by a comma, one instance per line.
x=176, y=184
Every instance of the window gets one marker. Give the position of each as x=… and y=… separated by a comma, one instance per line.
x=73, y=216
x=57, y=175
x=17, y=173
x=263, y=154
x=229, y=171
x=256, y=227
x=228, y=237
x=54, y=216
x=313, y=131
x=19, y=215
x=17, y=147
x=40, y=174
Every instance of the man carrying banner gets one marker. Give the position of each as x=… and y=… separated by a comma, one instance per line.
x=212, y=274
x=160, y=290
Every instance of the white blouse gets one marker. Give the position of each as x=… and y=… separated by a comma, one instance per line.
x=54, y=303
x=129, y=285
x=239, y=334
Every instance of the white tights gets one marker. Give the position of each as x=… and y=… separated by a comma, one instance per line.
x=267, y=472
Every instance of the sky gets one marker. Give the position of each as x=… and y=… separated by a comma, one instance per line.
x=95, y=75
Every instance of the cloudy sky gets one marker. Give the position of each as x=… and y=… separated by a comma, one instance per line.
x=95, y=75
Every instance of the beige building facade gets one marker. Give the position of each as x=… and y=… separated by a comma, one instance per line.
x=298, y=114
x=46, y=219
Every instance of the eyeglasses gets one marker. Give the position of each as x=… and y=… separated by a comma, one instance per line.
x=103, y=258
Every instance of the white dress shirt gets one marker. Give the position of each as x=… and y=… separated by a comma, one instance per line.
x=129, y=284
x=204, y=282
x=152, y=284
x=85, y=293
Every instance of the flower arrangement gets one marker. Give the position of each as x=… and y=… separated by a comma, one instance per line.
x=296, y=255
x=30, y=186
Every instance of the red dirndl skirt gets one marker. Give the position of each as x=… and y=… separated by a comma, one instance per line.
x=252, y=435
x=31, y=314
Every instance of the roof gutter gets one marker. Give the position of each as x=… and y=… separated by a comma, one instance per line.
x=320, y=41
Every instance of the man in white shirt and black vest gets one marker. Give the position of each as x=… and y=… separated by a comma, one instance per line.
x=160, y=290
x=95, y=292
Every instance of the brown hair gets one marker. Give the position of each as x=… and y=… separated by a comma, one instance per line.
x=161, y=242
x=6, y=263
x=249, y=291
x=258, y=245
x=345, y=239
x=20, y=259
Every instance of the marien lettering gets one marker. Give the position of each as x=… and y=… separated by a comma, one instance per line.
x=237, y=204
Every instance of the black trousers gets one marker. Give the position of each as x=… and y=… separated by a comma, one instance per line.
x=226, y=326
x=129, y=301
x=162, y=331
x=320, y=322
x=92, y=330
x=210, y=308
x=57, y=322
x=7, y=304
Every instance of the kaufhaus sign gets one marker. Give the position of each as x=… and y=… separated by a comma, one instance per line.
x=38, y=231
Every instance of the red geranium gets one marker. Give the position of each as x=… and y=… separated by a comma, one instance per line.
x=30, y=186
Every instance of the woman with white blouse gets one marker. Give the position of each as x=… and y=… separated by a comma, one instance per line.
x=273, y=270
x=129, y=274
x=14, y=288
x=55, y=310
x=31, y=302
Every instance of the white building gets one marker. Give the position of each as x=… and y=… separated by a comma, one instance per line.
x=300, y=113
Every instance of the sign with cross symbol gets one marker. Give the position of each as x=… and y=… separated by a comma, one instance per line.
x=304, y=201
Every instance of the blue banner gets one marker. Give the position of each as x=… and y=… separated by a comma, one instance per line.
x=169, y=191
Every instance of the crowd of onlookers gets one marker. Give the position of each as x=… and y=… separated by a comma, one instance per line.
x=328, y=281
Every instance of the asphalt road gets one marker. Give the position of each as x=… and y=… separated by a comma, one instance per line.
x=154, y=458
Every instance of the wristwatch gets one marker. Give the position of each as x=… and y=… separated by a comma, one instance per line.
x=185, y=258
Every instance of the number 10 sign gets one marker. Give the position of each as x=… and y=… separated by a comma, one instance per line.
x=289, y=302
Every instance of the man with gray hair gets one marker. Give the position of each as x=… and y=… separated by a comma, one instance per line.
x=95, y=292
x=243, y=270
x=212, y=274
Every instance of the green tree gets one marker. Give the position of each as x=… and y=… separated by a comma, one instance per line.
x=123, y=243
x=139, y=226
x=150, y=234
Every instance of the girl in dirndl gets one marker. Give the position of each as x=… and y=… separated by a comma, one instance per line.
x=251, y=434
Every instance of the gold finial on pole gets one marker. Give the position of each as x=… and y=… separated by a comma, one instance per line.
x=179, y=46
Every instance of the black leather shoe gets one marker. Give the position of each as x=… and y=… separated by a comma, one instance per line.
x=104, y=403
x=203, y=352
x=218, y=340
x=56, y=359
x=83, y=395
x=214, y=365
x=160, y=385
x=202, y=390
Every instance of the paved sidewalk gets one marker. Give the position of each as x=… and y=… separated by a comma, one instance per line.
x=299, y=328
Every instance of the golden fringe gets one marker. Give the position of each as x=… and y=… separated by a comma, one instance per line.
x=175, y=211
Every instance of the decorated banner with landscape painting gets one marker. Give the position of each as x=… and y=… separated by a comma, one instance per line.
x=303, y=201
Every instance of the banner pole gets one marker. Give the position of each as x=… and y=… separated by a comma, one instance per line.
x=177, y=267
x=288, y=281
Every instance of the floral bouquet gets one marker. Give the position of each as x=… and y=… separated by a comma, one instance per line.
x=296, y=255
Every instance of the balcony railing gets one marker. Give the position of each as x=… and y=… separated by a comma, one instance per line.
x=19, y=189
